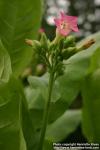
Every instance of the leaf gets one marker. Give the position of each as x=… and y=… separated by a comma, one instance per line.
x=95, y=61
x=34, y=98
x=37, y=95
x=19, y=20
x=28, y=129
x=48, y=145
x=5, y=64
x=36, y=106
x=91, y=106
x=41, y=84
x=11, y=135
x=63, y=126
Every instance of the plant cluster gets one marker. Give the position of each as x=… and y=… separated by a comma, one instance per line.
x=32, y=117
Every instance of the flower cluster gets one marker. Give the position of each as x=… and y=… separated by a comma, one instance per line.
x=52, y=53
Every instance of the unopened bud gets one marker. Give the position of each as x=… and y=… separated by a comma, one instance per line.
x=41, y=30
x=44, y=41
x=29, y=42
x=69, y=41
x=36, y=45
x=66, y=53
x=27, y=72
x=86, y=45
x=40, y=69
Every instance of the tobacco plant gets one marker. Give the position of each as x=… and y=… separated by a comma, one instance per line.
x=35, y=116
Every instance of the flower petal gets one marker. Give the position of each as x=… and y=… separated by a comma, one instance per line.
x=63, y=16
x=64, y=32
x=57, y=22
x=75, y=28
x=72, y=20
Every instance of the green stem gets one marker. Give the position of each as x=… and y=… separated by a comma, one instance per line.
x=46, y=112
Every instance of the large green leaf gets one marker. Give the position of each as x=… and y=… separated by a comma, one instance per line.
x=48, y=145
x=30, y=135
x=19, y=20
x=63, y=126
x=41, y=84
x=91, y=106
x=37, y=95
x=11, y=135
x=5, y=64
x=36, y=106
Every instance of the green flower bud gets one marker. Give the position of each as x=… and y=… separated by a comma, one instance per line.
x=29, y=42
x=60, y=70
x=44, y=41
x=52, y=46
x=40, y=69
x=61, y=41
x=33, y=43
x=69, y=41
x=36, y=45
x=66, y=53
x=27, y=72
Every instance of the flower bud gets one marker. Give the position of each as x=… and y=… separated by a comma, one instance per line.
x=29, y=42
x=66, y=53
x=36, y=45
x=40, y=69
x=61, y=42
x=44, y=41
x=86, y=45
x=33, y=43
x=41, y=30
x=69, y=41
x=27, y=72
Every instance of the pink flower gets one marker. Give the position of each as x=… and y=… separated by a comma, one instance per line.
x=41, y=30
x=65, y=24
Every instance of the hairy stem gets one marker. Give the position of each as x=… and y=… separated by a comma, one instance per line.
x=46, y=112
